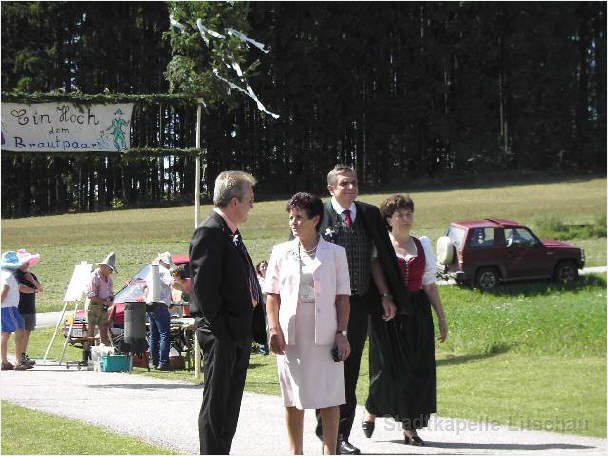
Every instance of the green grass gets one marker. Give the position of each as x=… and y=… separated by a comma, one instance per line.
x=555, y=227
x=535, y=318
x=137, y=235
x=26, y=431
x=543, y=392
x=530, y=354
x=39, y=341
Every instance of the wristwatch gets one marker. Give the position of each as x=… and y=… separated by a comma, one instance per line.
x=344, y=333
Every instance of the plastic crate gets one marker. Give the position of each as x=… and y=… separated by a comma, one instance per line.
x=115, y=363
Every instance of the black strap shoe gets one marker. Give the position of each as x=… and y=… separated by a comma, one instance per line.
x=344, y=447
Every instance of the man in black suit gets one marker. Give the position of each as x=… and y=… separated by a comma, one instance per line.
x=225, y=301
x=374, y=278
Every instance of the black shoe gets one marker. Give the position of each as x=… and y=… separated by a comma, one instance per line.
x=26, y=359
x=344, y=447
x=368, y=428
x=163, y=367
x=414, y=441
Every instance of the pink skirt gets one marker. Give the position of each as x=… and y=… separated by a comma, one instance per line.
x=308, y=375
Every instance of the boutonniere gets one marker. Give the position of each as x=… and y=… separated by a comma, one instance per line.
x=235, y=239
x=330, y=232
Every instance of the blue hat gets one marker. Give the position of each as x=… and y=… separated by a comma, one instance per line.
x=11, y=260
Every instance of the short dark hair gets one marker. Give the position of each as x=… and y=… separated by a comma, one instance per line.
x=308, y=202
x=394, y=203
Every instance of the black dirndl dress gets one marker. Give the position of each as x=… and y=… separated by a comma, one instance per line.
x=402, y=371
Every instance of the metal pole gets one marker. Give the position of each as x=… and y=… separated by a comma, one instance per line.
x=197, y=166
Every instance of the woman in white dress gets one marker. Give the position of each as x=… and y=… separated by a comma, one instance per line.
x=308, y=289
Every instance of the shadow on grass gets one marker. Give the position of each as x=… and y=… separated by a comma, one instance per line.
x=494, y=350
x=546, y=287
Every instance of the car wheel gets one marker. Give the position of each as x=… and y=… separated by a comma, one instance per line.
x=565, y=272
x=487, y=279
x=445, y=250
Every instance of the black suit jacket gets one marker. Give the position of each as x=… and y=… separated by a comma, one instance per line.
x=376, y=229
x=221, y=300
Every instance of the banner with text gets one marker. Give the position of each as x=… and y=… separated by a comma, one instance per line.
x=66, y=127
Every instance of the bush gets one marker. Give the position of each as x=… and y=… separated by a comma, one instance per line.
x=117, y=203
x=554, y=227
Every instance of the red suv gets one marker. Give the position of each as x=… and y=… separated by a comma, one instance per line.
x=486, y=252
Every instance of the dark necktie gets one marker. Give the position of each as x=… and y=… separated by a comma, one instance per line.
x=347, y=219
x=254, y=285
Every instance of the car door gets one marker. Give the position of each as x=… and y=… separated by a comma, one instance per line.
x=483, y=248
x=525, y=254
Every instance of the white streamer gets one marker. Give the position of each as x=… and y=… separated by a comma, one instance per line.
x=201, y=29
x=243, y=37
x=249, y=92
x=206, y=31
x=236, y=67
x=174, y=23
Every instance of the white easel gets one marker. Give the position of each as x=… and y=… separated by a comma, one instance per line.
x=74, y=293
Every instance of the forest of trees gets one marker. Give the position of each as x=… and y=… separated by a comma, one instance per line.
x=400, y=90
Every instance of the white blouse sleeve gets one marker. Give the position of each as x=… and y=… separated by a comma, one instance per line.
x=430, y=267
x=272, y=279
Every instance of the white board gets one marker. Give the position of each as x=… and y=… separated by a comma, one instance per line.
x=78, y=282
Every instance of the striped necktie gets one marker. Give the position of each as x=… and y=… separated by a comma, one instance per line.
x=254, y=285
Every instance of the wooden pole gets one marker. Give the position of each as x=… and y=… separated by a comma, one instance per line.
x=197, y=166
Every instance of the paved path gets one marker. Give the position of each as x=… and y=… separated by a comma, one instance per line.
x=165, y=412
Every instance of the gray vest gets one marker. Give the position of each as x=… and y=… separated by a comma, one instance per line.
x=358, y=248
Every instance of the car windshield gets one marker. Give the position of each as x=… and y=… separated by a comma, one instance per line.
x=456, y=235
x=135, y=290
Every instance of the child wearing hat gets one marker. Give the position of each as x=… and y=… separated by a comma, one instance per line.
x=11, y=319
x=29, y=286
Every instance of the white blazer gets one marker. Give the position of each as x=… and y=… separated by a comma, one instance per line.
x=330, y=277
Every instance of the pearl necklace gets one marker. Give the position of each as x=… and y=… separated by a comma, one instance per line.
x=308, y=252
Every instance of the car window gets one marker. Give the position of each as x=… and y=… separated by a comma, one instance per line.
x=456, y=235
x=136, y=289
x=481, y=238
x=519, y=237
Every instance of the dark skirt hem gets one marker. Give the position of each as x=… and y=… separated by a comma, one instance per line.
x=402, y=368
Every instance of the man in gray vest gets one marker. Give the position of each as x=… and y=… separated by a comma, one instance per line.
x=374, y=278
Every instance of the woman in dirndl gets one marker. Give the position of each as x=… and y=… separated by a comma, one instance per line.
x=402, y=351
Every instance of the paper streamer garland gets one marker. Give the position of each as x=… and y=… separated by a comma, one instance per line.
x=205, y=34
